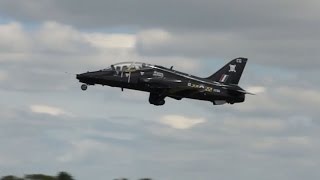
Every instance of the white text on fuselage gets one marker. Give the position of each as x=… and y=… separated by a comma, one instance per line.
x=205, y=88
x=158, y=74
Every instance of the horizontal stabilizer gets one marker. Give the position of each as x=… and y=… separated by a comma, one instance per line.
x=238, y=91
x=245, y=92
x=235, y=89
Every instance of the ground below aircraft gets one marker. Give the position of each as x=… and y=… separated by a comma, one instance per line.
x=161, y=82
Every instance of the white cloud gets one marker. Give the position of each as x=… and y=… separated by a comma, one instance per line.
x=14, y=42
x=45, y=109
x=60, y=42
x=109, y=41
x=154, y=37
x=52, y=39
x=64, y=38
x=180, y=122
x=56, y=37
x=241, y=31
x=51, y=48
x=13, y=38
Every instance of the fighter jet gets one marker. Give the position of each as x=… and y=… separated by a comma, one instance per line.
x=162, y=82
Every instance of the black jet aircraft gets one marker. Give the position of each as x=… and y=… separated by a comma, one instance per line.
x=161, y=82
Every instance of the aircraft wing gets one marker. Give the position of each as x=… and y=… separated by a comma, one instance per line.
x=160, y=83
x=170, y=87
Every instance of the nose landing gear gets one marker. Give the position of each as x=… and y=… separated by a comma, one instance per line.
x=84, y=87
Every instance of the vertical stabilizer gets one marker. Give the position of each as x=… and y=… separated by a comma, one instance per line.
x=231, y=72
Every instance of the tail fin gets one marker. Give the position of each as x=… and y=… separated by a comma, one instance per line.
x=231, y=72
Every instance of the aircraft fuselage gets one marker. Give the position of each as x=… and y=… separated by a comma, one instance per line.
x=163, y=82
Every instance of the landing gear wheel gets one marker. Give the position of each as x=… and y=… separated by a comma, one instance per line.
x=84, y=87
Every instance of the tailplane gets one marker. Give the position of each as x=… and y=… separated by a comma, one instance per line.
x=231, y=72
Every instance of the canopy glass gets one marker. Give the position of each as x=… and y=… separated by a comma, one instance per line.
x=130, y=66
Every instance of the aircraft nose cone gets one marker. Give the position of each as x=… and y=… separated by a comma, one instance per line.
x=80, y=76
x=84, y=76
x=87, y=78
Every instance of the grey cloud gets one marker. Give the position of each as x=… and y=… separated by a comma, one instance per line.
x=180, y=14
x=273, y=51
x=273, y=33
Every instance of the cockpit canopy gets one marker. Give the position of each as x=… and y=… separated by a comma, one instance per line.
x=130, y=66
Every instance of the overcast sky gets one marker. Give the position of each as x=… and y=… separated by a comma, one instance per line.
x=47, y=124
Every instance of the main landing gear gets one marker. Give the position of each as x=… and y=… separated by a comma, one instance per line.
x=84, y=87
x=156, y=99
